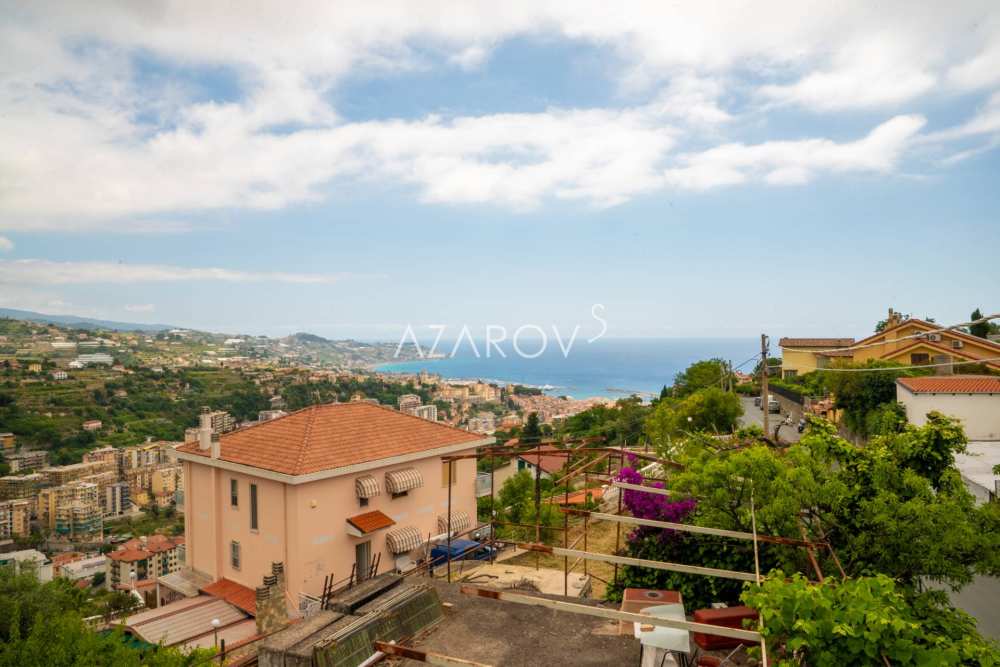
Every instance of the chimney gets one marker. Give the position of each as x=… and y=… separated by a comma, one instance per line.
x=272, y=609
x=894, y=319
x=263, y=606
x=205, y=430
x=216, y=446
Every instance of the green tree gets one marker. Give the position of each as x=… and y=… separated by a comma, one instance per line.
x=699, y=375
x=532, y=431
x=895, y=506
x=712, y=410
x=862, y=621
x=982, y=329
x=860, y=393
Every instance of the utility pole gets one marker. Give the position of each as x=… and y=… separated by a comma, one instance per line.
x=763, y=381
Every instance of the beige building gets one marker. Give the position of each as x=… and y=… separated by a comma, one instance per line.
x=329, y=490
x=60, y=475
x=147, y=558
x=974, y=399
x=163, y=484
x=27, y=460
x=15, y=518
x=20, y=486
x=72, y=511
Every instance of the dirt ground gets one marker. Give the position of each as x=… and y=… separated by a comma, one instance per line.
x=600, y=539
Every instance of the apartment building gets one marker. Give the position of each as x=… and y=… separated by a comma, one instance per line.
x=8, y=442
x=15, y=518
x=20, y=486
x=330, y=489
x=136, y=564
x=116, y=500
x=27, y=460
x=429, y=412
x=72, y=511
x=106, y=455
x=484, y=422
x=407, y=402
x=163, y=484
x=61, y=475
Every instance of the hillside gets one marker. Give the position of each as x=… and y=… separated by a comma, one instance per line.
x=79, y=322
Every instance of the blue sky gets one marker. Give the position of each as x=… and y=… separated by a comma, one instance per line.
x=350, y=170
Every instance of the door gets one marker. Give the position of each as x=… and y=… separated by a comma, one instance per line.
x=362, y=559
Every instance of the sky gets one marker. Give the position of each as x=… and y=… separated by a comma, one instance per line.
x=351, y=169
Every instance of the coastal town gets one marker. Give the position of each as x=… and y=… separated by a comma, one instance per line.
x=478, y=334
x=217, y=522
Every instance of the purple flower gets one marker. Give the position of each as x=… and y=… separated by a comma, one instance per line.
x=652, y=505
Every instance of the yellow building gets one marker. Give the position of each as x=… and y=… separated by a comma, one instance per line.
x=914, y=342
x=15, y=518
x=804, y=355
x=910, y=342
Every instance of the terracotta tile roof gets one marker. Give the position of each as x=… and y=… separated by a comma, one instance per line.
x=154, y=543
x=322, y=437
x=129, y=555
x=815, y=342
x=954, y=384
x=550, y=463
x=235, y=594
x=369, y=522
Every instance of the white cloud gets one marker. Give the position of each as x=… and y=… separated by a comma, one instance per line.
x=796, y=162
x=470, y=57
x=140, y=308
x=127, y=154
x=6, y=245
x=875, y=73
x=44, y=272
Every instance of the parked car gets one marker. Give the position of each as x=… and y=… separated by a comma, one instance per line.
x=772, y=405
x=756, y=401
x=460, y=550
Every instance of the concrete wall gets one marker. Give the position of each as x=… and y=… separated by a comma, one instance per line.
x=980, y=413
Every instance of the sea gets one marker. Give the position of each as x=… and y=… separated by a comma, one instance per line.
x=609, y=367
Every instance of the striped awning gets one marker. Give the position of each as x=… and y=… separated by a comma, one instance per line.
x=401, y=481
x=403, y=539
x=460, y=521
x=366, y=486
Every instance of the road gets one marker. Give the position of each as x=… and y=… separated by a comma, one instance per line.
x=752, y=415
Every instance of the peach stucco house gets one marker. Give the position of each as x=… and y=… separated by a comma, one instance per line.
x=323, y=490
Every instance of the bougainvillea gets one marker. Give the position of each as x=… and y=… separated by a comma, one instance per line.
x=653, y=506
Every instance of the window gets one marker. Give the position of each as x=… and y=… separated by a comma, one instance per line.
x=919, y=358
x=234, y=554
x=234, y=493
x=253, y=507
x=363, y=502
x=447, y=473
x=402, y=494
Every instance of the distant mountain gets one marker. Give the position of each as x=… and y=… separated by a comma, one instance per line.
x=303, y=337
x=79, y=322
